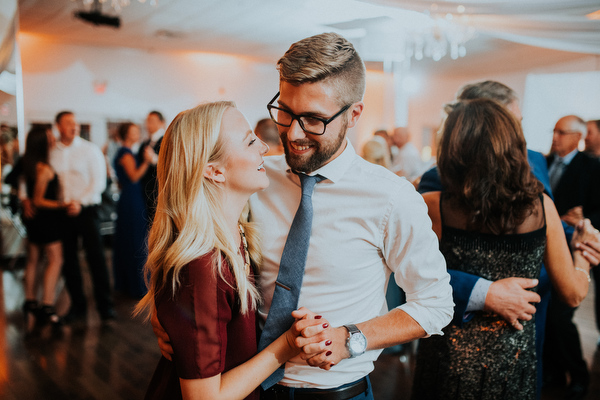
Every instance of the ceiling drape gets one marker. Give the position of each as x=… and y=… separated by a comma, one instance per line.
x=554, y=24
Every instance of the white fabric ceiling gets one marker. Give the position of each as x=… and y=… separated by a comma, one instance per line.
x=264, y=29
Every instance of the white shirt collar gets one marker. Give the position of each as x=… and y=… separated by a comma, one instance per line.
x=154, y=137
x=569, y=157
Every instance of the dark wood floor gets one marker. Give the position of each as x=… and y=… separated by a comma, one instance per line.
x=115, y=362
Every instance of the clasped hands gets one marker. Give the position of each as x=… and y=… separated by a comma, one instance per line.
x=315, y=341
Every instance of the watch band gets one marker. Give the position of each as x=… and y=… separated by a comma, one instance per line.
x=352, y=329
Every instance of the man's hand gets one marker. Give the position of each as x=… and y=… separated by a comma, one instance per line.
x=574, y=216
x=509, y=299
x=150, y=155
x=73, y=209
x=588, y=244
x=164, y=343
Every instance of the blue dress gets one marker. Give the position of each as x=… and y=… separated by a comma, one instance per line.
x=130, y=248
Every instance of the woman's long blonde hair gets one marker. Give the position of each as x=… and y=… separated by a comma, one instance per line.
x=189, y=221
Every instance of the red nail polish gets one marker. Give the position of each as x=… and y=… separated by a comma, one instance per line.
x=318, y=316
x=326, y=325
x=328, y=354
x=328, y=343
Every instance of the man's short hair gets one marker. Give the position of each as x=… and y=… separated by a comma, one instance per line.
x=62, y=114
x=325, y=57
x=487, y=90
x=158, y=114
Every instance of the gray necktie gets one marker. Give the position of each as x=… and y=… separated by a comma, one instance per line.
x=291, y=272
x=556, y=173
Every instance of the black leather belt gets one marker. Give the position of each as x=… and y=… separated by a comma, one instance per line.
x=280, y=392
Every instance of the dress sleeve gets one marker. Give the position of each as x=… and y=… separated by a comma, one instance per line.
x=196, y=319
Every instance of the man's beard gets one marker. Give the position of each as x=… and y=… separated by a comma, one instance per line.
x=320, y=156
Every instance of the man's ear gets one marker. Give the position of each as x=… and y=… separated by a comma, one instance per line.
x=214, y=172
x=356, y=111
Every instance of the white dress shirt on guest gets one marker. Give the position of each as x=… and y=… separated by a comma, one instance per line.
x=81, y=170
x=408, y=160
x=367, y=223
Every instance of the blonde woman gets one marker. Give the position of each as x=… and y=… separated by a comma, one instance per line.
x=201, y=260
x=377, y=151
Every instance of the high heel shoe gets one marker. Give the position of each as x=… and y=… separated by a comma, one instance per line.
x=30, y=312
x=47, y=315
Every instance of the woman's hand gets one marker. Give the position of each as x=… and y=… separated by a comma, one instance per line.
x=164, y=343
x=309, y=335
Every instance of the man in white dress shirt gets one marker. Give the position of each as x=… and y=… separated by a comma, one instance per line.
x=407, y=160
x=81, y=171
x=367, y=223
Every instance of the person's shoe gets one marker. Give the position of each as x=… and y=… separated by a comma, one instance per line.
x=48, y=316
x=576, y=391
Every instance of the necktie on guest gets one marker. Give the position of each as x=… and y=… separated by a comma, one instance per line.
x=291, y=272
x=556, y=173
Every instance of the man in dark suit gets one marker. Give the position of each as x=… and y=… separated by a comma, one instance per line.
x=575, y=182
x=155, y=125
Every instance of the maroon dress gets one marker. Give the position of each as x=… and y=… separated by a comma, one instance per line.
x=208, y=333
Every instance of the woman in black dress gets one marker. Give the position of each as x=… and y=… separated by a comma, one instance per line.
x=493, y=221
x=43, y=229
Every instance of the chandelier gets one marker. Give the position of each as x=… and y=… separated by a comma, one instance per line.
x=439, y=39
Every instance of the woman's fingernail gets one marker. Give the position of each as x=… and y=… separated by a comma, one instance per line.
x=318, y=316
x=328, y=343
x=328, y=354
x=325, y=325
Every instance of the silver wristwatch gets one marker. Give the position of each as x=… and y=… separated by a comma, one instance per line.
x=356, y=342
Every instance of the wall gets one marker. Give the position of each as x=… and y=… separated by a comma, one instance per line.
x=425, y=109
x=59, y=76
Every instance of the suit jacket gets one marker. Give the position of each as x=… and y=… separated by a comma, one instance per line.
x=148, y=181
x=579, y=185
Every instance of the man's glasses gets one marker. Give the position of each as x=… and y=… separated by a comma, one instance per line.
x=309, y=124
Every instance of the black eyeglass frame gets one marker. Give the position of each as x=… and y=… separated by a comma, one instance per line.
x=325, y=122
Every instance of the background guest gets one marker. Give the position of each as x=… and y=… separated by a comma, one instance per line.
x=592, y=138
x=44, y=229
x=267, y=131
x=575, y=181
x=129, y=248
x=407, y=160
x=81, y=169
x=155, y=125
x=496, y=228
x=376, y=151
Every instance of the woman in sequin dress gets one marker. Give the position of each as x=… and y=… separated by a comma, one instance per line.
x=493, y=221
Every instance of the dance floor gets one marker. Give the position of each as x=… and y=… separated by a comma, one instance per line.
x=116, y=361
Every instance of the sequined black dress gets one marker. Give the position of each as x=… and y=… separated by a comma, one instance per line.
x=486, y=358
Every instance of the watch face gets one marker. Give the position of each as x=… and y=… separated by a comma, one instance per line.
x=357, y=343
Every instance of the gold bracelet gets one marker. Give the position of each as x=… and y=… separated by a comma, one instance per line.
x=587, y=273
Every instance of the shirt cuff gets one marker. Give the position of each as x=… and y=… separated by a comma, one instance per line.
x=478, y=295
